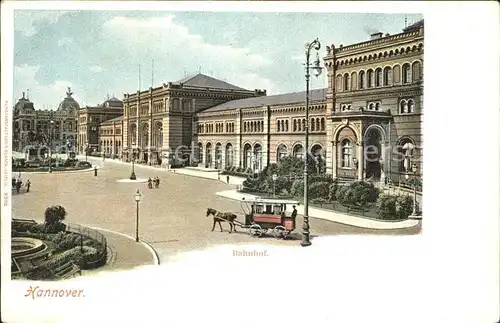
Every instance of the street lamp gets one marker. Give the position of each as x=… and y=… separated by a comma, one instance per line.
x=275, y=177
x=138, y=197
x=50, y=142
x=317, y=72
x=86, y=150
x=132, y=175
x=414, y=214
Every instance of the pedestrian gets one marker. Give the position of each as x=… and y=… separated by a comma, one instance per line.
x=227, y=179
x=294, y=213
x=157, y=182
x=150, y=183
x=18, y=185
x=28, y=184
x=95, y=171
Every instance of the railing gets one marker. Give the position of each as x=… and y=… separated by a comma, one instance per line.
x=94, y=235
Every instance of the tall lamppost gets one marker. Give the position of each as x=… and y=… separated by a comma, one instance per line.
x=315, y=44
x=86, y=150
x=138, y=197
x=275, y=177
x=50, y=140
x=132, y=175
x=414, y=214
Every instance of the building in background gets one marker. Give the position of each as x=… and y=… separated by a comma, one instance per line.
x=111, y=137
x=57, y=128
x=161, y=120
x=89, y=123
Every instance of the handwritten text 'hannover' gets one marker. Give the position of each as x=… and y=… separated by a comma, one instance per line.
x=54, y=292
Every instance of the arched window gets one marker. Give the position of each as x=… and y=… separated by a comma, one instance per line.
x=377, y=106
x=387, y=76
x=346, y=153
x=403, y=107
x=346, y=82
x=369, y=78
x=295, y=125
x=304, y=124
x=406, y=73
x=416, y=71
x=300, y=124
x=339, y=82
x=371, y=106
x=313, y=124
x=411, y=106
x=252, y=127
x=298, y=151
x=378, y=77
x=322, y=124
x=354, y=81
x=281, y=152
x=317, y=124
x=361, y=80
x=278, y=128
x=286, y=125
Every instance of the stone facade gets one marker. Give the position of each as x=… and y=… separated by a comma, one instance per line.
x=57, y=129
x=111, y=137
x=375, y=106
x=161, y=121
x=89, y=123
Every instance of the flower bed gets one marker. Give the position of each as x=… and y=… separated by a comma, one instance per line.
x=79, y=248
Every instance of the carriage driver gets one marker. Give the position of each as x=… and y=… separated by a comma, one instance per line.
x=252, y=212
x=294, y=213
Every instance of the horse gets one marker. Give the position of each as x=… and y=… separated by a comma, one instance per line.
x=222, y=217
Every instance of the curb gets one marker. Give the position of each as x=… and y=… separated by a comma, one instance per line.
x=65, y=171
x=156, y=258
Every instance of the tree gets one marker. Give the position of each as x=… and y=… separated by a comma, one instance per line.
x=54, y=215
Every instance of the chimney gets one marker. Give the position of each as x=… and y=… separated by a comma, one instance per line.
x=376, y=36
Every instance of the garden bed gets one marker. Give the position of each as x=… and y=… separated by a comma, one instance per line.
x=67, y=247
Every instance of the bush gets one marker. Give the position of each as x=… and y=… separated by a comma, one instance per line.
x=357, y=195
x=319, y=190
x=332, y=191
x=391, y=207
x=84, y=164
x=298, y=188
x=386, y=207
x=320, y=201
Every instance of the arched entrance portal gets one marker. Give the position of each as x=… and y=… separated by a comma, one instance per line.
x=373, y=154
x=247, y=152
x=218, y=156
x=318, y=155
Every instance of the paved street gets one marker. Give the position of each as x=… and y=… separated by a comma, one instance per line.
x=172, y=218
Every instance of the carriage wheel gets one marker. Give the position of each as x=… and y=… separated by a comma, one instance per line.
x=255, y=230
x=279, y=231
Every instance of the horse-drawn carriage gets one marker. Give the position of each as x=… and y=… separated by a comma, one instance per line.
x=261, y=216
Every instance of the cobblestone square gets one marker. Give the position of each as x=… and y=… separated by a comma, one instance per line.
x=172, y=218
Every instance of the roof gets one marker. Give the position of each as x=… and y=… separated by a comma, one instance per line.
x=120, y=118
x=258, y=200
x=280, y=99
x=113, y=99
x=414, y=26
x=201, y=80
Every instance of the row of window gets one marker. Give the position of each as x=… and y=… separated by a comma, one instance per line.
x=219, y=127
x=405, y=106
x=316, y=124
x=390, y=53
x=379, y=77
x=104, y=132
x=253, y=126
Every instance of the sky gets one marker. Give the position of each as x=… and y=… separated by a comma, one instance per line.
x=98, y=53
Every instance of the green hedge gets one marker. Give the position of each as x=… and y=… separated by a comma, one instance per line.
x=392, y=207
x=359, y=194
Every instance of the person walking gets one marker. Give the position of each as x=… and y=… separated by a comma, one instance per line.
x=28, y=184
x=18, y=185
x=150, y=183
x=227, y=179
x=157, y=182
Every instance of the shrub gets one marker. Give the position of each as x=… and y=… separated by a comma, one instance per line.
x=358, y=194
x=298, y=188
x=386, y=207
x=320, y=201
x=332, y=191
x=84, y=164
x=319, y=190
x=54, y=215
x=403, y=206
